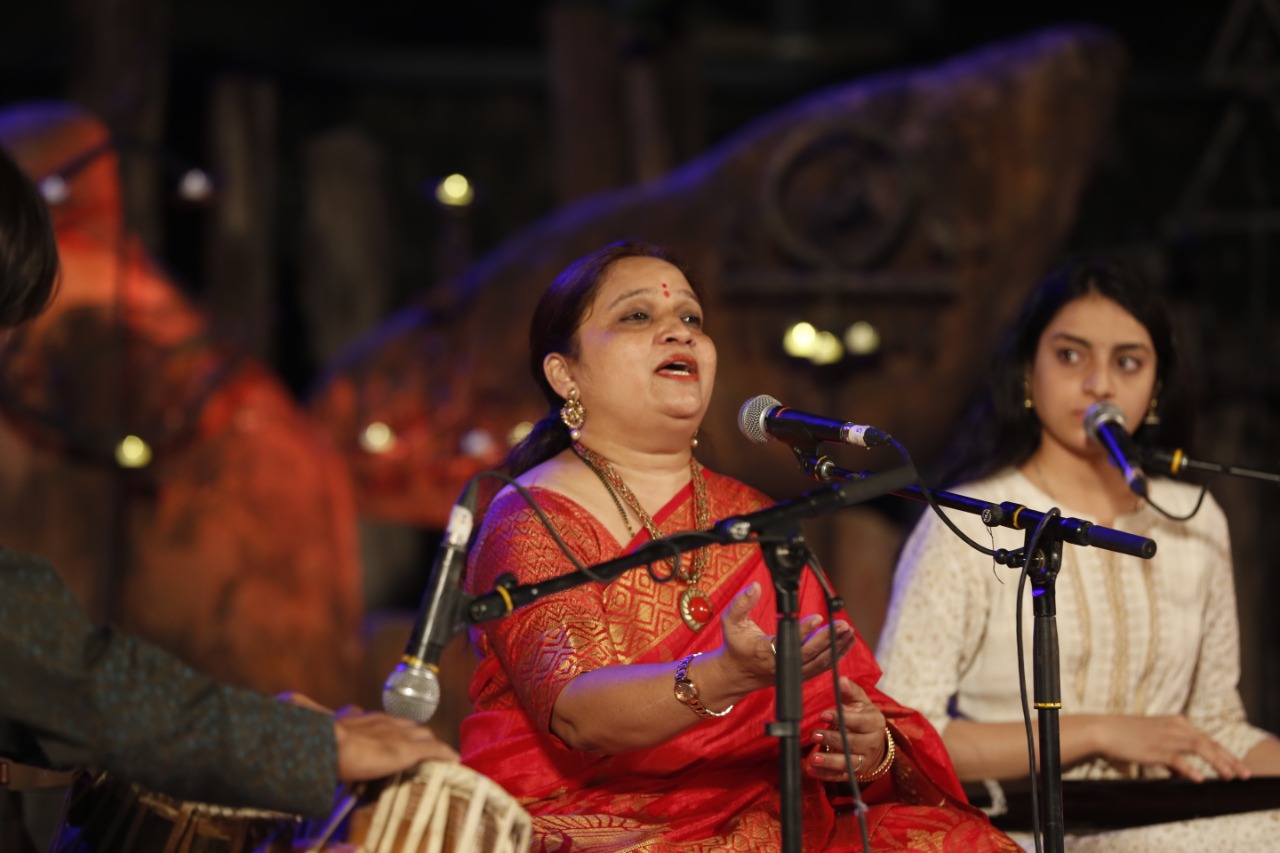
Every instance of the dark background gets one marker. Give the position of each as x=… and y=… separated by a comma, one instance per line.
x=465, y=88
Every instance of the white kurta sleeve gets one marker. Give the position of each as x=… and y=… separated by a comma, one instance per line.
x=937, y=616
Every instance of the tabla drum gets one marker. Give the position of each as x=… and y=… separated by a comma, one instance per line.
x=439, y=807
x=104, y=815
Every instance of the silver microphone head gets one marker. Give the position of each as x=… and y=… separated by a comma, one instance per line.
x=751, y=418
x=1100, y=413
x=411, y=692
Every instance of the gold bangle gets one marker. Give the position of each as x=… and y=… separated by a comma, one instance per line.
x=890, y=753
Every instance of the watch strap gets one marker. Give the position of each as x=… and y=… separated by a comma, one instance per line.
x=689, y=696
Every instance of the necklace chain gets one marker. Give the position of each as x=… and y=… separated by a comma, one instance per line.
x=1048, y=490
x=621, y=492
x=1035, y=466
x=613, y=493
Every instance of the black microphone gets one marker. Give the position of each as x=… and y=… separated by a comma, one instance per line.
x=763, y=418
x=1104, y=423
x=412, y=689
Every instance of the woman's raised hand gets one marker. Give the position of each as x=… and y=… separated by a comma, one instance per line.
x=750, y=649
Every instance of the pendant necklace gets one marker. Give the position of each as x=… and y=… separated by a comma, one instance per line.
x=695, y=607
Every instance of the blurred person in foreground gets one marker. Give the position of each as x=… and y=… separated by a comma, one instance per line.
x=72, y=693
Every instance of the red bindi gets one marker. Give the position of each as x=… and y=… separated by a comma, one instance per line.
x=665, y=291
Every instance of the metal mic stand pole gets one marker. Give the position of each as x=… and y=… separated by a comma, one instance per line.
x=786, y=554
x=1042, y=569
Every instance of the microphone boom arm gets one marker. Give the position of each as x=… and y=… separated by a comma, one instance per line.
x=775, y=520
x=1176, y=462
x=1008, y=514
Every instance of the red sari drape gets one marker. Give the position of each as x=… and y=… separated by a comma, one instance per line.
x=714, y=787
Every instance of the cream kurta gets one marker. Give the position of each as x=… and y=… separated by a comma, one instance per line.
x=1136, y=636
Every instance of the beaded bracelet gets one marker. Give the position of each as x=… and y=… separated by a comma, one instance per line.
x=890, y=753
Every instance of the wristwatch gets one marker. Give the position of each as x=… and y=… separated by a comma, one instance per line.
x=687, y=692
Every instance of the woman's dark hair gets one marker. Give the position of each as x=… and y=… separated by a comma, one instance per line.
x=1000, y=431
x=554, y=329
x=28, y=250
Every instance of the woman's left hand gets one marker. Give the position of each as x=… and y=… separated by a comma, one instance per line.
x=752, y=654
x=867, y=744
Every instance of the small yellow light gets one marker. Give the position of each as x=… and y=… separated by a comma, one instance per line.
x=455, y=191
x=519, y=432
x=827, y=349
x=377, y=437
x=798, y=341
x=133, y=452
x=862, y=338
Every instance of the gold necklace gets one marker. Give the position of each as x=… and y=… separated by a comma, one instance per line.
x=695, y=607
x=626, y=519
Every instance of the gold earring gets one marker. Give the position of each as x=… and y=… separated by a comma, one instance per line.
x=1153, y=417
x=694, y=441
x=1027, y=402
x=573, y=414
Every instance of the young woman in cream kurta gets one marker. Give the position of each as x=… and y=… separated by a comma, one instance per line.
x=1149, y=654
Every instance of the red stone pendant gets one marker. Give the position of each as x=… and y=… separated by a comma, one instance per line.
x=695, y=608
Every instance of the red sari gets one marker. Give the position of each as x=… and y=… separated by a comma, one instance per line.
x=715, y=786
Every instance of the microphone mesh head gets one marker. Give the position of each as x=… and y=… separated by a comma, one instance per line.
x=412, y=693
x=751, y=418
x=1099, y=414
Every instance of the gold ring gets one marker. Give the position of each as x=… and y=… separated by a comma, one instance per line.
x=826, y=747
x=858, y=769
x=772, y=646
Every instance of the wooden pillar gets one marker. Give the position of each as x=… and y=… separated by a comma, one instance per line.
x=346, y=263
x=119, y=70
x=240, y=272
x=586, y=99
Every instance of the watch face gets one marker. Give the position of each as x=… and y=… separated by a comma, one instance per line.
x=686, y=692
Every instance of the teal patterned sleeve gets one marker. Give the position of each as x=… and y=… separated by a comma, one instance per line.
x=96, y=697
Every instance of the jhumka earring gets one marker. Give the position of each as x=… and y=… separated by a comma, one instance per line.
x=694, y=441
x=573, y=414
x=1153, y=417
x=1027, y=402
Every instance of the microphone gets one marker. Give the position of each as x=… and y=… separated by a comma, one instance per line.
x=764, y=418
x=412, y=689
x=1104, y=423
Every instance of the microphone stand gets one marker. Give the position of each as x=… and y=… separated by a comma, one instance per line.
x=1045, y=533
x=1176, y=462
x=1043, y=556
x=785, y=554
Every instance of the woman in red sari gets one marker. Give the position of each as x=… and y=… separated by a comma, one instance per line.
x=627, y=716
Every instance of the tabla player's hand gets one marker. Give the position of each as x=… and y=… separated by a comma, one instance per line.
x=372, y=745
x=293, y=697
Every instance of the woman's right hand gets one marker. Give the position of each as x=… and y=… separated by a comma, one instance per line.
x=1164, y=741
x=749, y=650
